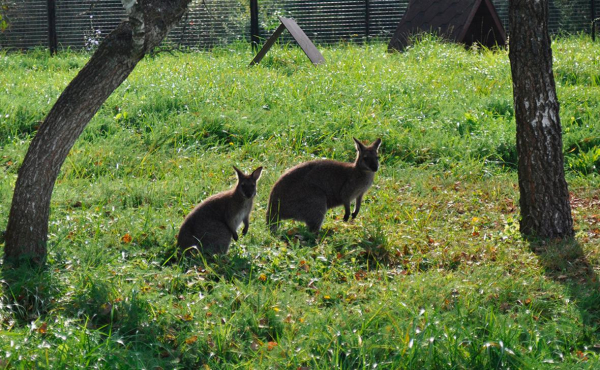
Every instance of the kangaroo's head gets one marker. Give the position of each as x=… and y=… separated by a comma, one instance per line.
x=246, y=185
x=367, y=158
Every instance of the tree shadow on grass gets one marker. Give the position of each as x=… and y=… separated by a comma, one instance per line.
x=119, y=329
x=28, y=291
x=227, y=267
x=566, y=263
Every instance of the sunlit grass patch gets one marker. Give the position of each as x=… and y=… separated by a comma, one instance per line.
x=433, y=272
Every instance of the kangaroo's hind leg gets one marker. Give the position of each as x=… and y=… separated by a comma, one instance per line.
x=313, y=212
x=216, y=237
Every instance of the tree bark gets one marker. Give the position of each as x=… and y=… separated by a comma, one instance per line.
x=27, y=230
x=544, y=201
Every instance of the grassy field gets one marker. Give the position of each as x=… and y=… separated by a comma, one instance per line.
x=433, y=273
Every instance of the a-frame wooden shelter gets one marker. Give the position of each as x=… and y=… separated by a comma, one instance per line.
x=463, y=21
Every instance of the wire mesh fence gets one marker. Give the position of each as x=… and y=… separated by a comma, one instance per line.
x=24, y=24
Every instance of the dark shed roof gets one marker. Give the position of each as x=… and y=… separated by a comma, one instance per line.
x=464, y=21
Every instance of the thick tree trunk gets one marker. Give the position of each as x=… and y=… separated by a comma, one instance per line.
x=27, y=230
x=545, y=208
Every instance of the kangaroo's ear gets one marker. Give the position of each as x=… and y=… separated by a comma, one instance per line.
x=376, y=144
x=256, y=174
x=359, y=146
x=240, y=174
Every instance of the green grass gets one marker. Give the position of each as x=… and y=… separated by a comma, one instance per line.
x=432, y=274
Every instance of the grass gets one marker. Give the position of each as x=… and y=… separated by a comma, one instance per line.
x=432, y=274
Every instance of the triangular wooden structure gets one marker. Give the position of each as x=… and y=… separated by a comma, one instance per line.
x=463, y=21
x=307, y=46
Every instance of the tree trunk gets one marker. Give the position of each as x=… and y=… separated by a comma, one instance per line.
x=545, y=208
x=27, y=230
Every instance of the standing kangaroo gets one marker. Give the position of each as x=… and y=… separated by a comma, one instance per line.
x=306, y=191
x=212, y=224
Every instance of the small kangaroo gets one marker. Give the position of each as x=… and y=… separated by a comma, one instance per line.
x=306, y=191
x=212, y=224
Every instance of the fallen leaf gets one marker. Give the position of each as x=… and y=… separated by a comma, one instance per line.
x=126, y=238
x=43, y=329
x=360, y=275
x=191, y=340
x=291, y=232
x=582, y=356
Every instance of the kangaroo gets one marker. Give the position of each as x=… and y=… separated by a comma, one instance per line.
x=211, y=225
x=306, y=191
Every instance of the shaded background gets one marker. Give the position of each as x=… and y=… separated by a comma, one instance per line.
x=82, y=24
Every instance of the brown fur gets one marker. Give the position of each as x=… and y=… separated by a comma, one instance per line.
x=306, y=191
x=214, y=222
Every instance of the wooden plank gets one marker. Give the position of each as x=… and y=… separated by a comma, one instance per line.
x=307, y=46
x=268, y=45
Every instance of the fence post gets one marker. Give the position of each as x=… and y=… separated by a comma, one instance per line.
x=52, y=37
x=593, y=5
x=254, y=36
x=367, y=19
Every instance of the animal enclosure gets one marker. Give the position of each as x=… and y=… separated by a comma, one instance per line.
x=24, y=24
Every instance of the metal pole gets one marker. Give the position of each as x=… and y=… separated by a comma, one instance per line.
x=367, y=19
x=52, y=38
x=593, y=4
x=254, y=36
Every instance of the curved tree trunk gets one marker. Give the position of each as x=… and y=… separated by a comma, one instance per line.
x=27, y=230
x=544, y=202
